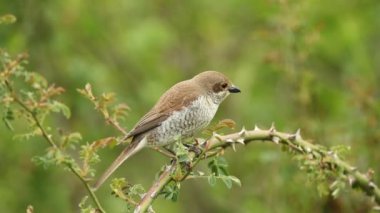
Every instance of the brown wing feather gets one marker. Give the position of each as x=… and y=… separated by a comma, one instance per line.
x=174, y=99
x=151, y=121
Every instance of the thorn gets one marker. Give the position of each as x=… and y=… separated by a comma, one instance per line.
x=370, y=174
x=308, y=149
x=240, y=140
x=242, y=132
x=336, y=156
x=233, y=147
x=272, y=128
x=229, y=140
x=217, y=136
x=298, y=134
x=351, y=180
x=256, y=128
x=334, y=184
x=221, y=153
x=276, y=139
x=372, y=185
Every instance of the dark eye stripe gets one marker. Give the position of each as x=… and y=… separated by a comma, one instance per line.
x=218, y=87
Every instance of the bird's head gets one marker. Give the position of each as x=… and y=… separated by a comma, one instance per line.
x=216, y=85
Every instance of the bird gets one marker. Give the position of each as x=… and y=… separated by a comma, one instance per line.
x=183, y=110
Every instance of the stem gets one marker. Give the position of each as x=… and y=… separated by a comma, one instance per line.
x=116, y=125
x=87, y=186
x=53, y=144
x=150, y=196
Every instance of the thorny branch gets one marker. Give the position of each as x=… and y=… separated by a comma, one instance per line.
x=218, y=143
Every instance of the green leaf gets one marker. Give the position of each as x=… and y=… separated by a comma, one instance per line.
x=235, y=180
x=60, y=107
x=74, y=137
x=137, y=189
x=181, y=151
x=118, y=184
x=171, y=191
x=341, y=150
x=218, y=166
x=227, y=181
x=28, y=135
x=84, y=207
x=8, y=19
x=211, y=180
x=8, y=124
x=323, y=189
x=7, y=118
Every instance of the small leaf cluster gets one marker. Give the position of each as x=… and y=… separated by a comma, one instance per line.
x=318, y=163
x=127, y=192
x=28, y=97
x=105, y=104
x=171, y=191
x=218, y=167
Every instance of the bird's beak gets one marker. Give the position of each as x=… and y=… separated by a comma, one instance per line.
x=233, y=89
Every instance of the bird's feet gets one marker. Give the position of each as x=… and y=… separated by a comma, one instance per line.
x=194, y=148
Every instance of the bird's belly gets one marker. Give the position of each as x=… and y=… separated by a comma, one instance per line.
x=184, y=123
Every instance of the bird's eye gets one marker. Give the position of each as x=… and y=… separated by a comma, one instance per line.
x=224, y=85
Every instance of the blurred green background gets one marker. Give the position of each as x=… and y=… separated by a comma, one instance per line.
x=303, y=64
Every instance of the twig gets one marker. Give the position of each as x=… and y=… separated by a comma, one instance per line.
x=149, y=197
x=87, y=186
x=53, y=144
x=116, y=125
x=11, y=65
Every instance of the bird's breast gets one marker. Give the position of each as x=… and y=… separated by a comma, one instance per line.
x=184, y=122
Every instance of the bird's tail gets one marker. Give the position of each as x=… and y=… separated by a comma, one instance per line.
x=132, y=148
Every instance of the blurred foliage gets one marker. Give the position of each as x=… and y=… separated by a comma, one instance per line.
x=308, y=64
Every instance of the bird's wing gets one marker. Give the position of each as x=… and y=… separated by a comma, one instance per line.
x=150, y=121
x=173, y=100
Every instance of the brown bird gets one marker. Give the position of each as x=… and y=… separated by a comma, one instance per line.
x=184, y=109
